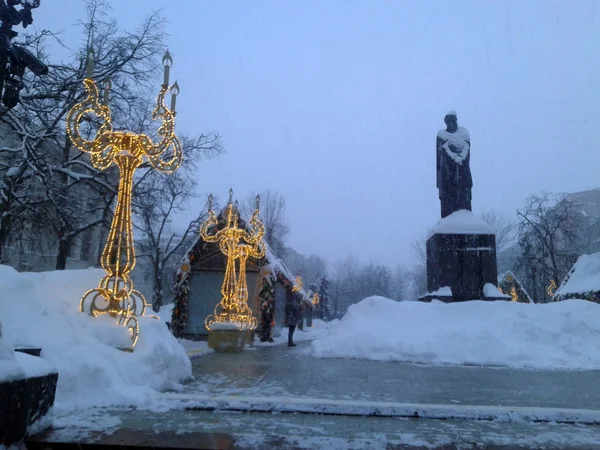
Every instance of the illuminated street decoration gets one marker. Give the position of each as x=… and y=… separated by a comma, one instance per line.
x=551, y=289
x=298, y=285
x=237, y=244
x=115, y=294
x=513, y=295
x=315, y=299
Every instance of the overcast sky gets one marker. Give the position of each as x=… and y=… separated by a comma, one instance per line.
x=337, y=104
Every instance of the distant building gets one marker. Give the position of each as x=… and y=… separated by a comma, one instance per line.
x=589, y=202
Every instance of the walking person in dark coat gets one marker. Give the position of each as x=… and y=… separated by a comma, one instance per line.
x=293, y=314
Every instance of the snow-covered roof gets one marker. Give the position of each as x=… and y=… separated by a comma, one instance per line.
x=277, y=265
x=583, y=277
x=461, y=222
x=509, y=277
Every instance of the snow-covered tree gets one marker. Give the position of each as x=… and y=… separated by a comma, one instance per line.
x=272, y=215
x=503, y=228
x=400, y=281
x=49, y=189
x=324, y=307
x=354, y=282
x=550, y=241
x=311, y=268
x=417, y=274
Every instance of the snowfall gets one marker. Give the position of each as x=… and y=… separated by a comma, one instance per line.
x=41, y=310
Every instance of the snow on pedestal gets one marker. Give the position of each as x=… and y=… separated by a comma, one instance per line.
x=230, y=326
x=441, y=292
x=42, y=310
x=461, y=222
x=560, y=335
x=491, y=291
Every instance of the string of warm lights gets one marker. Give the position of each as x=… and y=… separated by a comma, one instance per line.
x=315, y=299
x=236, y=244
x=127, y=151
x=298, y=285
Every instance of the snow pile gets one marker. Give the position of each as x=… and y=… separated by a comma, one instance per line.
x=583, y=278
x=10, y=369
x=41, y=309
x=461, y=222
x=165, y=313
x=560, y=335
x=492, y=291
x=34, y=366
x=319, y=329
x=444, y=291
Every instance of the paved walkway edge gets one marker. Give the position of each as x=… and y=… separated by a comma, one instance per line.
x=386, y=409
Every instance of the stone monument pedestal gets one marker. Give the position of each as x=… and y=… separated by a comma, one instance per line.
x=461, y=260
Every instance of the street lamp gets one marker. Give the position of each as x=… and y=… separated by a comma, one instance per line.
x=115, y=294
x=237, y=244
x=14, y=59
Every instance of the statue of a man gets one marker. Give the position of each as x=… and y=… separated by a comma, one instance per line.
x=454, y=182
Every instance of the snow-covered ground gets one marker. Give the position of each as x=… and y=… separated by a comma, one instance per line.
x=319, y=329
x=42, y=310
x=194, y=349
x=563, y=335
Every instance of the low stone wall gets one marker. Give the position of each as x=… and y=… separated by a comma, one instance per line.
x=22, y=402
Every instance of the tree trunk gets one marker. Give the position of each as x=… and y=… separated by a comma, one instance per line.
x=534, y=283
x=157, y=289
x=552, y=251
x=4, y=227
x=63, y=253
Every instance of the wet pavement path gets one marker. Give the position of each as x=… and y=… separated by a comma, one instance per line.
x=292, y=376
x=293, y=372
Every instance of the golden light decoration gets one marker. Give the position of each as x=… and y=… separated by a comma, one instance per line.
x=115, y=294
x=552, y=288
x=315, y=299
x=298, y=284
x=236, y=244
x=514, y=297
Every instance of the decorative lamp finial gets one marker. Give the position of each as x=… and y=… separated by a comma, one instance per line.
x=106, y=85
x=89, y=64
x=167, y=62
x=174, y=94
